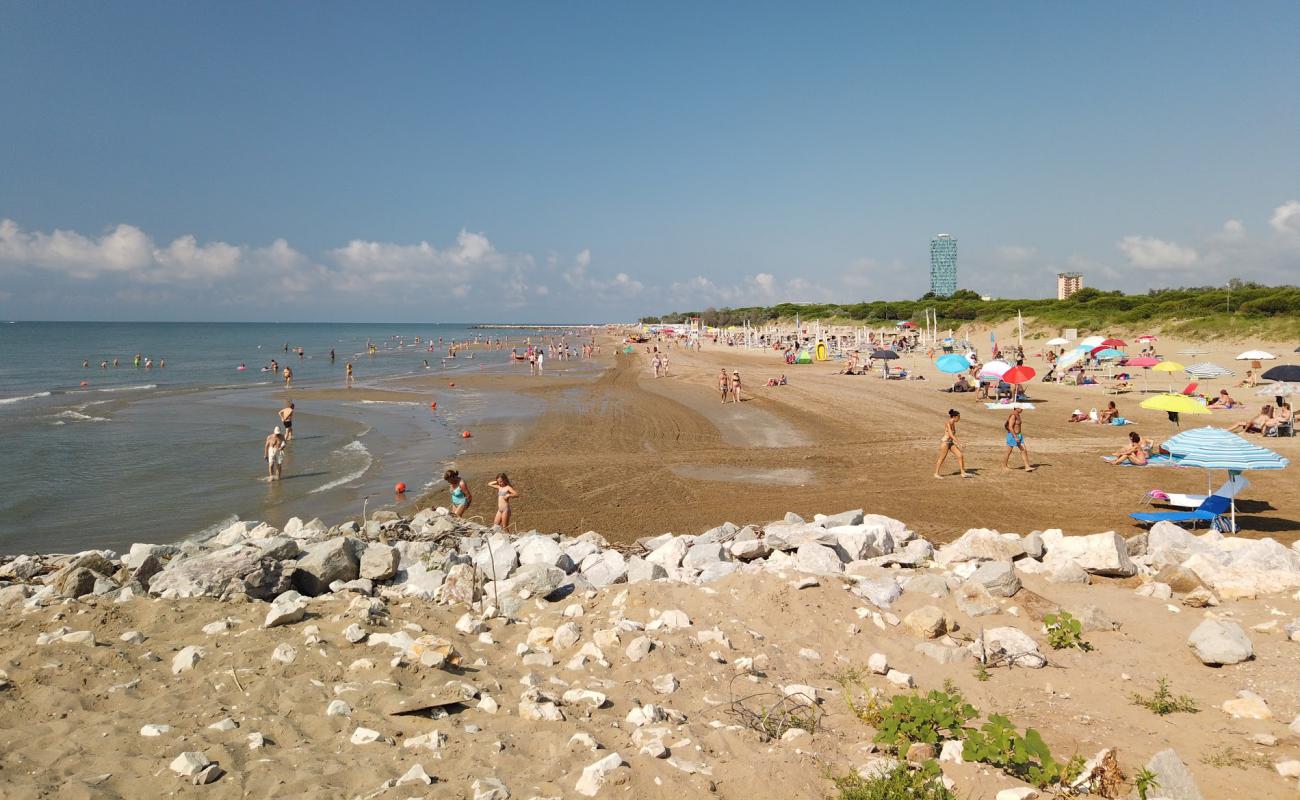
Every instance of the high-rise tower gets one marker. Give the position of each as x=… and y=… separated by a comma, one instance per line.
x=943, y=265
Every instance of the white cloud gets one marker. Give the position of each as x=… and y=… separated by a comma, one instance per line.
x=1148, y=252
x=1286, y=218
x=763, y=288
x=861, y=274
x=766, y=283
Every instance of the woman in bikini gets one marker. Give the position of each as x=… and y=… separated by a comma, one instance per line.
x=505, y=493
x=1137, y=453
x=460, y=494
x=949, y=443
x=735, y=385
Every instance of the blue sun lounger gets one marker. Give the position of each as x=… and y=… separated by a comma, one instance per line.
x=1211, y=511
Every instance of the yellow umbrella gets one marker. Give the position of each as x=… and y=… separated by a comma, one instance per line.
x=1175, y=404
x=1169, y=366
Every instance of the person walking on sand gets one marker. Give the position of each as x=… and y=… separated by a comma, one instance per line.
x=735, y=385
x=949, y=444
x=460, y=494
x=505, y=493
x=273, y=452
x=1015, y=440
x=286, y=418
x=724, y=384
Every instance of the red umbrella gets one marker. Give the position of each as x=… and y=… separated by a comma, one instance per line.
x=1017, y=375
x=1114, y=343
x=1094, y=351
x=1142, y=361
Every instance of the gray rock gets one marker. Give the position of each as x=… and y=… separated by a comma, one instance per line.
x=605, y=569
x=882, y=592
x=818, y=559
x=942, y=652
x=288, y=608
x=999, y=577
x=207, y=575
x=535, y=580
x=1069, y=572
x=328, y=561
x=144, y=572
x=1093, y=618
x=640, y=570
x=716, y=570
x=913, y=554
x=379, y=562
x=1175, y=779
x=790, y=535
x=931, y=585
x=980, y=544
x=670, y=554
x=1217, y=642
x=853, y=517
x=1008, y=645
x=1033, y=545
x=537, y=549
x=76, y=582
x=701, y=556
x=1099, y=554
x=140, y=551
x=748, y=549
x=498, y=558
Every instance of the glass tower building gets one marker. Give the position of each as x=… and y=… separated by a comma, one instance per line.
x=943, y=265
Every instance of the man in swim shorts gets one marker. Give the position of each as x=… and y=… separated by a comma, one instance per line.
x=1015, y=440
x=286, y=417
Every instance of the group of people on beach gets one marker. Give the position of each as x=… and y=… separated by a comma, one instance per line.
x=729, y=385
x=462, y=497
x=139, y=362
x=949, y=443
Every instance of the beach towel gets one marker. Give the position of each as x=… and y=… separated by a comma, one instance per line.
x=1027, y=406
x=1155, y=460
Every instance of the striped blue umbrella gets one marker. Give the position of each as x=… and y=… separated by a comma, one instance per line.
x=1206, y=371
x=1215, y=448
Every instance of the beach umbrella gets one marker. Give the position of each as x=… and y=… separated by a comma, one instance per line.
x=1284, y=373
x=1168, y=366
x=906, y=324
x=1207, y=371
x=1143, y=361
x=1091, y=342
x=1114, y=343
x=1107, y=354
x=1255, y=355
x=1175, y=404
x=952, y=363
x=888, y=355
x=1214, y=448
x=1069, y=358
x=1018, y=375
x=1278, y=390
x=994, y=369
x=1059, y=341
x=1146, y=339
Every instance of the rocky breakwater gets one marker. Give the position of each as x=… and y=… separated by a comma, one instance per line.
x=541, y=665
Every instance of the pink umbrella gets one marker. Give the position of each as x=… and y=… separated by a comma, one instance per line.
x=1142, y=361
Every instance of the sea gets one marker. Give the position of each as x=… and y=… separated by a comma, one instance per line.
x=98, y=450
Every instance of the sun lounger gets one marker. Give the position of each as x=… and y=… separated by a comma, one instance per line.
x=1210, y=511
x=1233, y=487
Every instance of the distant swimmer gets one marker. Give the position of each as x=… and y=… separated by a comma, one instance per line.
x=426, y=363
x=241, y=367
x=349, y=380
x=288, y=377
x=162, y=362
x=286, y=417
x=148, y=363
x=505, y=493
x=85, y=364
x=331, y=354
x=273, y=452
x=137, y=359
x=275, y=366
x=103, y=365
x=460, y=494
x=116, y=363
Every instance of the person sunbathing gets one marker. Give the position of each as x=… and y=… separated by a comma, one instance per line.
x=1223, y=400
x=962, y=385
x=1249, y=380
x=1109, y=413
x=1136, y=453
x=1259, y=424
x=1078, y=416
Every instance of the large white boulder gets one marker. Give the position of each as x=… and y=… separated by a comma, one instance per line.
x=1099, y=554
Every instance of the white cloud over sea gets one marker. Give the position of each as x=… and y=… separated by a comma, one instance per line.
x=124, y=272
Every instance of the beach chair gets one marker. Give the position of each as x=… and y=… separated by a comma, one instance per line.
x=1283, y=429
x=1190, y=389
x=1234, y=486
x=1210, y=511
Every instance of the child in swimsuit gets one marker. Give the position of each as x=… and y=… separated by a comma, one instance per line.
x=460, y=495
x=505, y=493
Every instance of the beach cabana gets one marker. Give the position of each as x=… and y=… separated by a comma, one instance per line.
x=1215, y=448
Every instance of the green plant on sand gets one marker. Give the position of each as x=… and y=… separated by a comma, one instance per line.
x=899, y=783
x=930, y=718
x=1064, y=631
x=1163, y=702
x=1025, y=756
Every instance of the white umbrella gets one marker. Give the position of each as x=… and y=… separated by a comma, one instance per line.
x=1278, y=390
x=1091, y=342
x=1069, y=358
x=1256, y=355
x=1057, y=342
x=994, y=369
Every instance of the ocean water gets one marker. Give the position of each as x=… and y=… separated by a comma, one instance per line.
x=102, y=457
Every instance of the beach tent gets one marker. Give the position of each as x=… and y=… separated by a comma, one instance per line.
x=1207, y=371
x=1215, y=448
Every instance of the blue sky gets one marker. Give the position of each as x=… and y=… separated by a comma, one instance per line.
x=592, y=161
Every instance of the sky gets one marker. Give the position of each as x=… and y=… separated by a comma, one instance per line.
x=594, y=161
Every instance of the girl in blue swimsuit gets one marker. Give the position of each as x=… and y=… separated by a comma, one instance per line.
x=460, y=494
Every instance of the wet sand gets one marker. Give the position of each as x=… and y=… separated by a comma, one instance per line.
x=631, y=455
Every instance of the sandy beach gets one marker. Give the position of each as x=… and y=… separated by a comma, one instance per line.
x=631, y=455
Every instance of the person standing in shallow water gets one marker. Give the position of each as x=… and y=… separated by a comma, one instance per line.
x=273, y=452
x=286, y=417
x=460, y=493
